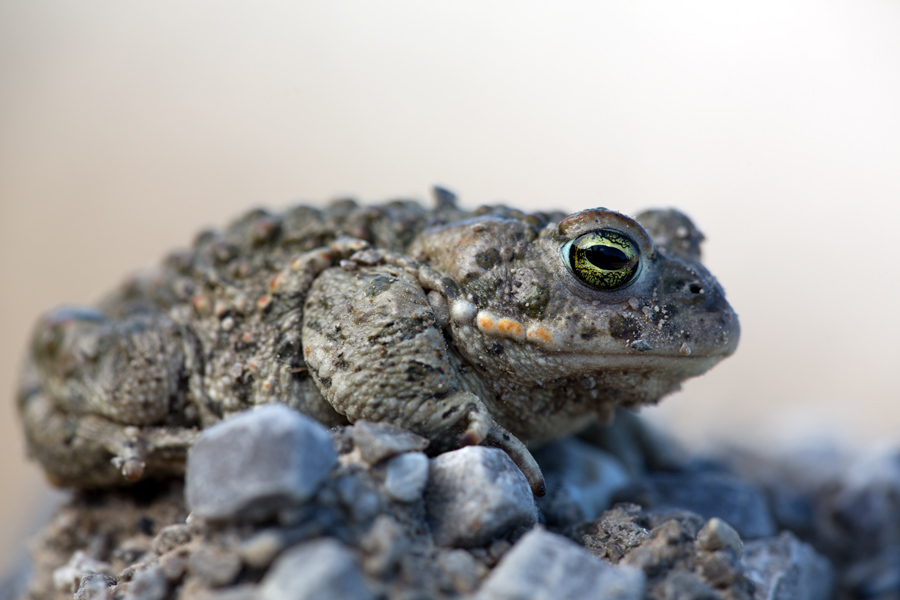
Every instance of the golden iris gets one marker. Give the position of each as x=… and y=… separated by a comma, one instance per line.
x=604, y=259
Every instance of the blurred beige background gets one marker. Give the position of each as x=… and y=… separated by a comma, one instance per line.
x=125, y=126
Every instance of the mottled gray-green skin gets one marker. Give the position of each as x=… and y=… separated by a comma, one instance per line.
x=465, y=327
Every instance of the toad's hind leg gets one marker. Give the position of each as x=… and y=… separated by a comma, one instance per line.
x=100, y=395
x=372, y=345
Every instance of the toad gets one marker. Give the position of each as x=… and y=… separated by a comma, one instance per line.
x=493, y=326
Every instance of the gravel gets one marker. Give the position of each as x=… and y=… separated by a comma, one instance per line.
x=283, y=509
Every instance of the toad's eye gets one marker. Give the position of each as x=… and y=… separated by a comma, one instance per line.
x=604, y=259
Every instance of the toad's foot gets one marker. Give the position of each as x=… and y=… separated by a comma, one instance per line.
x=89, y=451
x=501, y=438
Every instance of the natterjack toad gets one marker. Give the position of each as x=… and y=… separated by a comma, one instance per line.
x=484, y=327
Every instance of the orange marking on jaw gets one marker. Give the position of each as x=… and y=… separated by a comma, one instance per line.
x=540, y=333
x=486, y=322
x=509, y=327
x=494, y=325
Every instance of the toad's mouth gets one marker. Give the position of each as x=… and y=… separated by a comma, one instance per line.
x=689, y=366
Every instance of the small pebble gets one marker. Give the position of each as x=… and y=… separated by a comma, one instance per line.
x=147, y=584
x=547, y=566
x=95, y=586
x=213, y=566
x=717, y=534
x=784, y=568
x=171, y=537
x=378, y=441
x=324, y=568
x=475, y=494
x=253, y=464
x=406, y=476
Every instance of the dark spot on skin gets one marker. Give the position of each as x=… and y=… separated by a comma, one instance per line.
x=398, y=330
x=325, y=382
x=624, y=328
x=534, y=302
x=484, y=290
x=450, y=288
x=314, y=325
x=496, y=349
x=241, y=389
x=449, y=412
x=378, y=284
x=285, y=349
x=487, y=259
x=340, y=364
x=589, y=334
x=417, y=371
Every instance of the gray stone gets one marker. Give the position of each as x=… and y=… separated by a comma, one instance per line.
x=686, y=585
x=147, y=584
x=95, y=587
x=257, y=462
x=378, y=441
x=862, y=516
x=546, y=566
x=716, y=534
x=784, y=568
x=324, y=568
x=213, y=566
x=406, y=476
x=171, y=537
x=359, y=496
x=383, y=546
x=875, y=578
x=459, y=569
x=261, y=549
x=68, y=577
x=173, y=565
x=242, y=591
x=581, y=480
x=638, y=444
x=709, y=494
x=475, y=494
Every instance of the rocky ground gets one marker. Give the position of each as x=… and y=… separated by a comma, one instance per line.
x=275, y=507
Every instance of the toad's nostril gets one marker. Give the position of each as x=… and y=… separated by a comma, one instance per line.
x=696, y=288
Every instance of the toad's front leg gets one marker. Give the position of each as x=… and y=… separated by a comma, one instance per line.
x=372, y=345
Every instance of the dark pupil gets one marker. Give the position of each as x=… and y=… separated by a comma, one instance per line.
x=606, y=257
